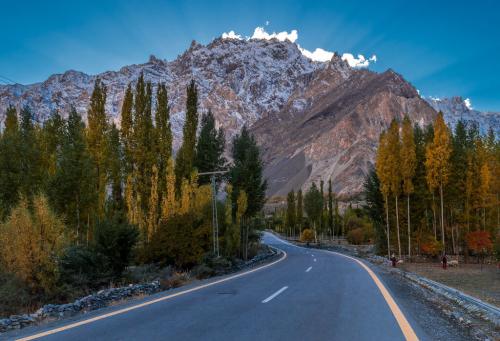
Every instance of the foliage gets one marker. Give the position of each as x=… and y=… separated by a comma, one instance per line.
x=30, y=243
x=307, y=236
x=313, y=204
x=479, y=242
x=356, y=236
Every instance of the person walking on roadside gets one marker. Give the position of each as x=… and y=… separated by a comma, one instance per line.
x=394, y=260
x=444, y=260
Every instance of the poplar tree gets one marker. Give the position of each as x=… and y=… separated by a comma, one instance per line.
x=143, y=146
x=97, y=141
x=322, y=220
x=163, y=136
x=408, y=166
x=290, y=211
x=30, y=155
x=437, y=163
x=115, y=156
x=127, y=133
x=382, y=170
x=168, y=200
x=185, y=156
x=313, y=205
x=394, y=169
x=300, y=211
x=153, y=205
x=71, y=190
x=10, y=163
x=330, y=208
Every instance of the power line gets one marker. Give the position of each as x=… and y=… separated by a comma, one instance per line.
x=8, y=80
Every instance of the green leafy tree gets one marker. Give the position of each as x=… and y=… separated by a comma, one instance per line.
x=186, y=154
x=313, y=205
x=127, y=126
x=71, y=189
x=115, y=158
x=330, y=208
x=300, y=210
x=209, y=148
x=10, y=163
x=30, y=155
x=163, y=136
x=97, y=131
x=290, y=211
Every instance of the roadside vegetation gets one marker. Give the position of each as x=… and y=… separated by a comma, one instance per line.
x=85, y=206
x=432, y=192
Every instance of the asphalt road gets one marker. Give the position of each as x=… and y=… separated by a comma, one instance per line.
x=307, y=295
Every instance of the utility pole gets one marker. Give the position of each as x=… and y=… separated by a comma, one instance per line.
x=215, y=221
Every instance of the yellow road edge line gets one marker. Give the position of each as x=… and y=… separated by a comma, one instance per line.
x=403, y=323
x=164, y=298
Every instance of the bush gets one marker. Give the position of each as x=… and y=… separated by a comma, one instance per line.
x=430, y=246
x=356, y=236
x=83, y=269
x=307, y=236
x=14, y=295
x=114, y=240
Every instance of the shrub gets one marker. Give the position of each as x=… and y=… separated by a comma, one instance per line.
x=479, y=242
x=356, y=236
x=430, y=246
x=114, y=240
x=307, y=236
x=14, y=295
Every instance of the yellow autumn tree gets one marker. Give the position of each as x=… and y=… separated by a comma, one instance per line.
x=383, y=176
x=408, y=167
x=152, y=223
x=393, y=159
x=30, y=243
x=168, y=205
x=437, y=163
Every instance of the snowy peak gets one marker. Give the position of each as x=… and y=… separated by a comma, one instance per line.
x=456, y=108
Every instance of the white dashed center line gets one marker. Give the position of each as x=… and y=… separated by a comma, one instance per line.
x=274, y=295
x=309, y=269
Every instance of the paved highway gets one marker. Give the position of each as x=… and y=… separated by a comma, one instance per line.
x=305, y=295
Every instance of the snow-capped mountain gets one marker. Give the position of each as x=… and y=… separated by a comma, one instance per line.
x=317, y=115
x=457, y=108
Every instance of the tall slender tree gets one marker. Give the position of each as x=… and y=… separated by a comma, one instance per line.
x=185, y=156
x=163, y=136
x=127, y=134
x=290, y=212
x=330, y=208
x=97, y=141
x=394, y=169
x=437, y=163
x=382, y=170
x=299, y=215
x=408, y=167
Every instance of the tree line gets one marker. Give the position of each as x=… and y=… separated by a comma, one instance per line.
x=79, y=201
x=449, y=182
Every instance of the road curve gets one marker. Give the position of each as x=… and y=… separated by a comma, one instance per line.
x=306, y=295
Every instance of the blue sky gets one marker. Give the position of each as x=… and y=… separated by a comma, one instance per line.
x=444, y=48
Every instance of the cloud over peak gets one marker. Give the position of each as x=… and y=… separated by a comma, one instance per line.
x=318, y=55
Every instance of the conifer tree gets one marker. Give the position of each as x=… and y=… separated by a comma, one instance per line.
x=408, y=166
x=209, y=148
x=437, y=163
x=185, y=156
x=246, y=172
x=97, y=141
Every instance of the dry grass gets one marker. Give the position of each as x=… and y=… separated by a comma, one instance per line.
x=469, y=278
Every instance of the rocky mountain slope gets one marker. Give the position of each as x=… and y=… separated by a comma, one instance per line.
x=456, y=108
x=314, y=120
